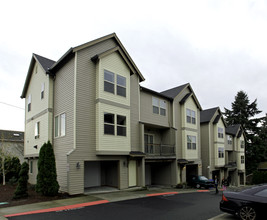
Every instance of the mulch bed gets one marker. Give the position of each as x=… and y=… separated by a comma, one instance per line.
x=7, y=193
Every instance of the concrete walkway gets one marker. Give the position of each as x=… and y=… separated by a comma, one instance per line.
x=92, y=198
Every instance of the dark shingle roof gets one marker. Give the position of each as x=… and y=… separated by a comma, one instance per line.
x=206, y=115
x=46, y=63
x=172, y=93
x=11, y=136
x=233, y=129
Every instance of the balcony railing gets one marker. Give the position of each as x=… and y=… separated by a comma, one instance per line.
x=231, y=165
x=159, y=149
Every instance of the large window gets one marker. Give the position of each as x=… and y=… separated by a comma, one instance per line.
x=60, y=125
x=190, y=116
x=159, y=106
x=109, y=83
x=29, y=102
x=221, y=152
x=37, y=130
x=109, y=124
x=229, y=139
x=191, y=142
x=220, y=133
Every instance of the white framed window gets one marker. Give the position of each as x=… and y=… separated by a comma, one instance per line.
x=109, y=123
x=220, y=132
x=229, y=139
x=121, y=86
x=29, y=102
x=191, y=142
x=159, y=106
x=37, y=130
x=121, y=125
x=42, y=90
x=109, y=83
x=242, y=159
x=163, y=107
x=110, y=120
x=221, y=152
x=190, y=116
x=60, y=125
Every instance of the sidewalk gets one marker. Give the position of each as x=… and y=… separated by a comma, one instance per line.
x=91, y=199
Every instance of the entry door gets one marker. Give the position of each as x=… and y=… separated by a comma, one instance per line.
x=132, y=173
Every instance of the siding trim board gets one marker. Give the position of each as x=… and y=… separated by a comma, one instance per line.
x=40, y=114
x=108, y=102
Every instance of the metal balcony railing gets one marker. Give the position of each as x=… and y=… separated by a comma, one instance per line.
x=159, y=149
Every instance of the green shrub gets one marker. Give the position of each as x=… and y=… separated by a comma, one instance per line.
x=47, y=177
x=259, y=177
x=22, y=189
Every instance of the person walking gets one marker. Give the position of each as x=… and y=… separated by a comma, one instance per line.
x=216, y=182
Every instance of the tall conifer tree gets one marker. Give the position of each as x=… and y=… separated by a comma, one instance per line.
x=243, y=112
x=47, y=176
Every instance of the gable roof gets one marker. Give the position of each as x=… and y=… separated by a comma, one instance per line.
x=51, y=67
x=207, y=114
x=233, y=129
x=45, y=63
x=155, y=93
x=121, y=50
x=172, y=93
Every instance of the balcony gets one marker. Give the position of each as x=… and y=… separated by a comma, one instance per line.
x=231, y=165
x=159, y=150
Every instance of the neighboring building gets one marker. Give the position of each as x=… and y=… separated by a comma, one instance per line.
x=12, y=143
x=213, y=143
x=235, y=155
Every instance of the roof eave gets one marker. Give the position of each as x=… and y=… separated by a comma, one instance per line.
x=28, y=77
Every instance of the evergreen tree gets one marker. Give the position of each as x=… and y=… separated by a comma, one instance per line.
x=243, y=112
x=22, y=189
x=47, y=177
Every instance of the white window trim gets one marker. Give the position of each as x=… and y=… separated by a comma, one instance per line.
x=159, y=106
x=115, y=83
x=191, y=143
x=190, y=115
x=37, y=130
x=115, y=124
x=59, y=130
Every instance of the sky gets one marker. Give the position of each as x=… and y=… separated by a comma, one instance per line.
x=218, y=46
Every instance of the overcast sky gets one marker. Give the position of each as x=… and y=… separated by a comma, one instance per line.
x=218, y=46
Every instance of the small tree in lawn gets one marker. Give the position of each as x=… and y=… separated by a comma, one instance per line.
x=47, y=177
x=22, y=189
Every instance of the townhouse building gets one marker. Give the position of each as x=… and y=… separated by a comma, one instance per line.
x=222, y=148
x=213, y=143
x=106, y=129
x=235, y=155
